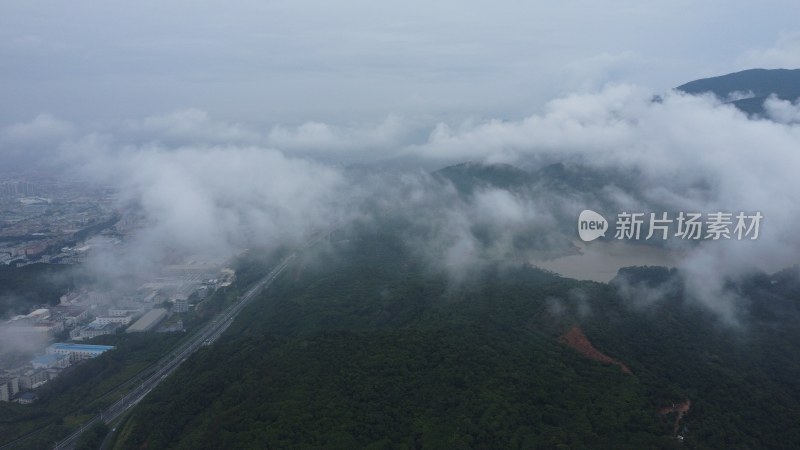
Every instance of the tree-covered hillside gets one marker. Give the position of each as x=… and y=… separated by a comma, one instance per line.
x=361, y=345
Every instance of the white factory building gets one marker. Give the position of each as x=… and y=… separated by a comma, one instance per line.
x=78, y=352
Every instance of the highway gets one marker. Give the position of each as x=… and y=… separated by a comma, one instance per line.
x=205, y=336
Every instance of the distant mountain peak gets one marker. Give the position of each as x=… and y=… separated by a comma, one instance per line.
x=758, y=84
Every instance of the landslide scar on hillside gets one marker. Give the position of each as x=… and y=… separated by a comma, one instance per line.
x=574, y=338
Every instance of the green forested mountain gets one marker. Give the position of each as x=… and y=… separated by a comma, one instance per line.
x=783, y=83
x=555, y=178
x=361, y=345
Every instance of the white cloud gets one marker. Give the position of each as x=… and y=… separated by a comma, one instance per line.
x=594, y=72
x=326, y=140
x=191, y=126
x=748, y=165
x=44, y=128
x=784, y=54
x=782, y=111
x=219, y=196
x=575, y=124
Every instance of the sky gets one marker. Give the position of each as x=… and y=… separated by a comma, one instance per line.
x=267, y=63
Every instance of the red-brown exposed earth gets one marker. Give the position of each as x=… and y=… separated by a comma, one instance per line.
x=575, y=338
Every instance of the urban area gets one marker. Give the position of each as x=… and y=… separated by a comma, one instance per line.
x=51, y=221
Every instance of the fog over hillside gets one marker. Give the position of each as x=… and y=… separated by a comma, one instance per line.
x=205, y=184
x=450, y=224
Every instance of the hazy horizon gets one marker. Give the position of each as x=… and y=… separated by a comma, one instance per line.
x=229, y=124
x=265, y=64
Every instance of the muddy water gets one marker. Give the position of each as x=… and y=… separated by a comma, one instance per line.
x=599, y=260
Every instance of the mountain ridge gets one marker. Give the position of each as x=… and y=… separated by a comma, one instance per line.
x=757, y=84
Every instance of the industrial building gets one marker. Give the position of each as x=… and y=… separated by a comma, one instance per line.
x=32, y=379
x=69, y=314
x=117, y=312
x=57, y=361
x=9, y=387
x=180, y=305
x=78, y=352
x=148, y=321
x=120, y=320
x=93, y=330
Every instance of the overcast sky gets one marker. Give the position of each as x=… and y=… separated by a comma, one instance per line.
x=265, y=62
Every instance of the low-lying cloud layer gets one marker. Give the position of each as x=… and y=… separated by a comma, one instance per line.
x=213, y=185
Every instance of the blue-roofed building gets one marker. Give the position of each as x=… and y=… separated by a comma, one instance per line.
x=27, y=398
x=53, y=361
x=78, y=352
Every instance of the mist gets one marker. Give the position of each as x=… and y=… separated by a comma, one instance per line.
x=212, y=186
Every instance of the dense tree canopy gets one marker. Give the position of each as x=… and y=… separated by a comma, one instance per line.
x=364, y=346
